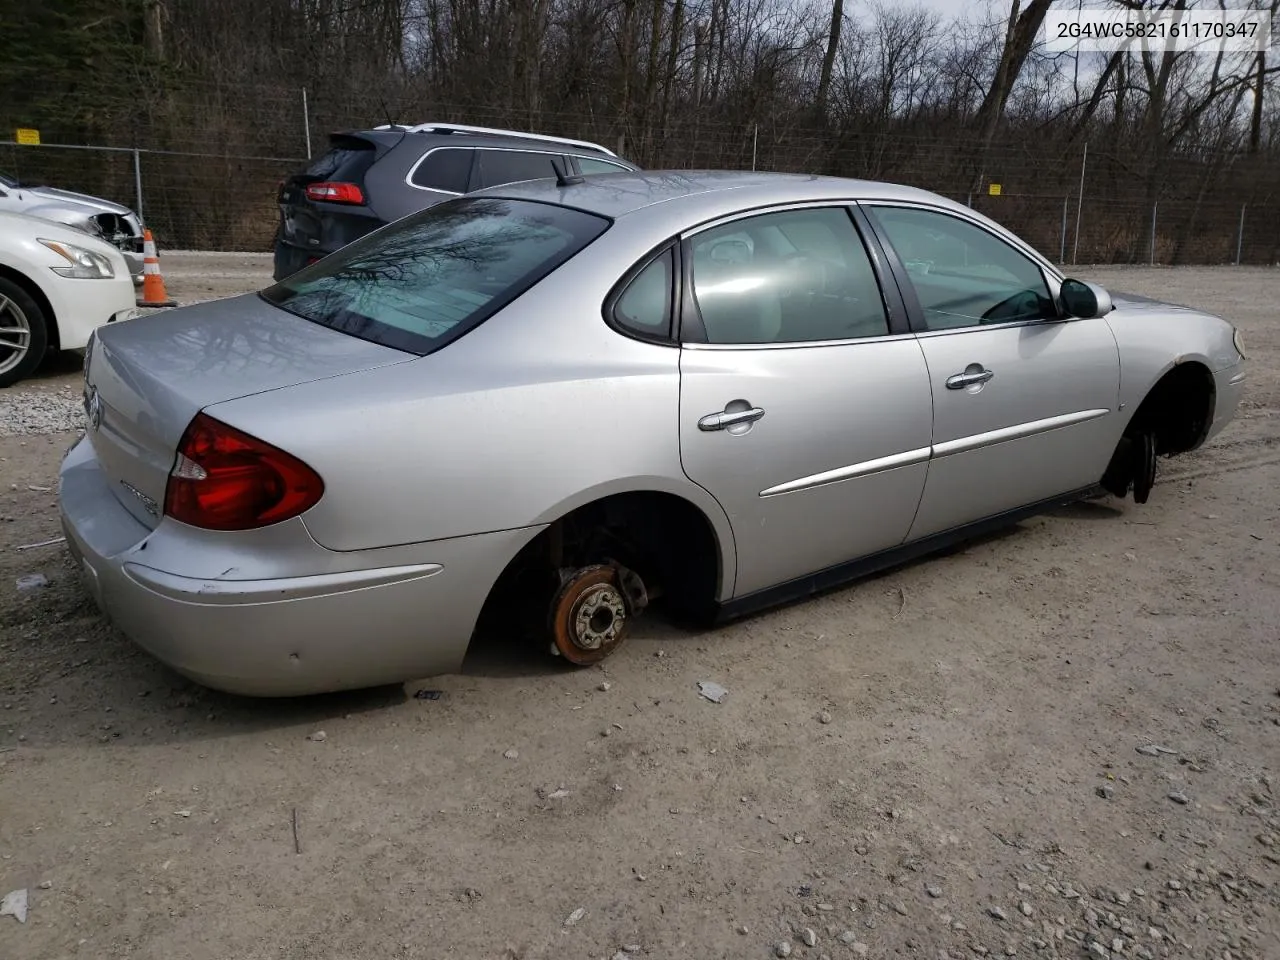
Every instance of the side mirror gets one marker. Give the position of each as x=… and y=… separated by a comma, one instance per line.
x=1084, y=301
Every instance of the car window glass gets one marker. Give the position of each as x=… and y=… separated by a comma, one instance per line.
x=589, y=165
x=790, y=277
x=327, y=164
x=511, y=166
x=444, y=169
x=963, y=275
x=423, y=281
x=645, y=306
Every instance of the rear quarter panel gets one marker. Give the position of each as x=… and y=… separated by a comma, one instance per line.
x=539, y=410
x=390, y=196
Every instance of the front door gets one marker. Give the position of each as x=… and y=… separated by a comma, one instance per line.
x=804, y=409
x=1024, y=402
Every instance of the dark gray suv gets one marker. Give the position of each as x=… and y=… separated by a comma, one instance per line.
x=371, y=177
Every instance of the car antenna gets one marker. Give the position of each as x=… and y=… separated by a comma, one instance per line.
x=387, y=111
x=563, y=178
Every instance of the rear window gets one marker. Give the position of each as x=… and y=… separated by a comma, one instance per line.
x=446, y=168
x=347, y=159
x=424, y=281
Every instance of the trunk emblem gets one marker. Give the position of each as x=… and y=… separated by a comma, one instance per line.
x=148, y=504
x=94, y=409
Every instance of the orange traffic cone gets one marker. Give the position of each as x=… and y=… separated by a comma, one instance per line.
x=153, y=292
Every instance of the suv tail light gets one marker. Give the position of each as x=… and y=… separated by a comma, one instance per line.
x=333, y=192
x=224, y=479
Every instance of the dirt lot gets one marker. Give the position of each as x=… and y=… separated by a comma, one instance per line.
x=939, y=762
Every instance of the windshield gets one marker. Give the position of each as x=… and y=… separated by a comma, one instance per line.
x=424, y=281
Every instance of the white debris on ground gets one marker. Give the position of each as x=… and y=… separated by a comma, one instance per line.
x=14, y=905
x=712, y=691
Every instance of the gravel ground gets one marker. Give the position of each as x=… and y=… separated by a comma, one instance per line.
x=1060, y=741
x=50, y=402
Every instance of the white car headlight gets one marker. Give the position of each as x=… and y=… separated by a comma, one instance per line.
x=1239, y=343
x=82, y=264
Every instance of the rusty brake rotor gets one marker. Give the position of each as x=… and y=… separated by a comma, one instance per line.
x=592, y=611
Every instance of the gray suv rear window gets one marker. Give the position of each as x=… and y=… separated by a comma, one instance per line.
x=447, y=168
x=424, y=281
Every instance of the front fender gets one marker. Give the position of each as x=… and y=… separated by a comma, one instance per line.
x=1154, y=339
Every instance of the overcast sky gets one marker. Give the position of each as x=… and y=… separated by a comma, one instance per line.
x=979, y=9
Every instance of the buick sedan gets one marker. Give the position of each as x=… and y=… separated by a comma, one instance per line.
x=549, y=405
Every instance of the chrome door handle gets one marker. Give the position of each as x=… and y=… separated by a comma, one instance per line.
x=967, y=379
x=719, y=421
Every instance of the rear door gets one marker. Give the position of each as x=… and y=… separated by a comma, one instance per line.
x=804, y=399
x=1023, y=399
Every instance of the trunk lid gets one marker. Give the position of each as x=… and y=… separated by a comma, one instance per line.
x=145, y=380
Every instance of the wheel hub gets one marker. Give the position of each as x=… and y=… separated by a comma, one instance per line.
x=592, y=611
x=599, y=617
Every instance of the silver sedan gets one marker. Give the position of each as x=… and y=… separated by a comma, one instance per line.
x=552, y=404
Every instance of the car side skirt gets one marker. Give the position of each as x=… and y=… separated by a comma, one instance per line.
x=843, y=573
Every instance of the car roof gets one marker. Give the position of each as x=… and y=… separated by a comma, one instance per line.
x=616, y=195
x=479, y=137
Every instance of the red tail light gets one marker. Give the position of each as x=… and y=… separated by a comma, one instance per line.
x=332, y=192
x=227, y=480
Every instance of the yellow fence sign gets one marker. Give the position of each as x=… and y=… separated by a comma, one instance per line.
x=993, y=189
x=28, y=137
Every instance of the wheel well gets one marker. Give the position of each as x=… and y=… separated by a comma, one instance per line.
x=662, y=537
x=36, y=294
x=1178, y=409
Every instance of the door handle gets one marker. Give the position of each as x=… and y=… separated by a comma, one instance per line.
x=724, y=419
x=969, y=378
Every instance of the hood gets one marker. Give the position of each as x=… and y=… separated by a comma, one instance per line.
x=32, y=226
x=1136, y=303
x=80, y=202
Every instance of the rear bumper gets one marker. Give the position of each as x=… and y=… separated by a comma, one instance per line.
x=308, y=620
x=289, y=259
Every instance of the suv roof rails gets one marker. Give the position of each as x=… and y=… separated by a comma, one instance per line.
x=433, y=127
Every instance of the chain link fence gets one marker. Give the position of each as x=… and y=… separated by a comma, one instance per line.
x=1084, y=208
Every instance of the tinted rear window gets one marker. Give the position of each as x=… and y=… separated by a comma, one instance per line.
x=348, y=158
x=426, y=280
x=448, y=168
